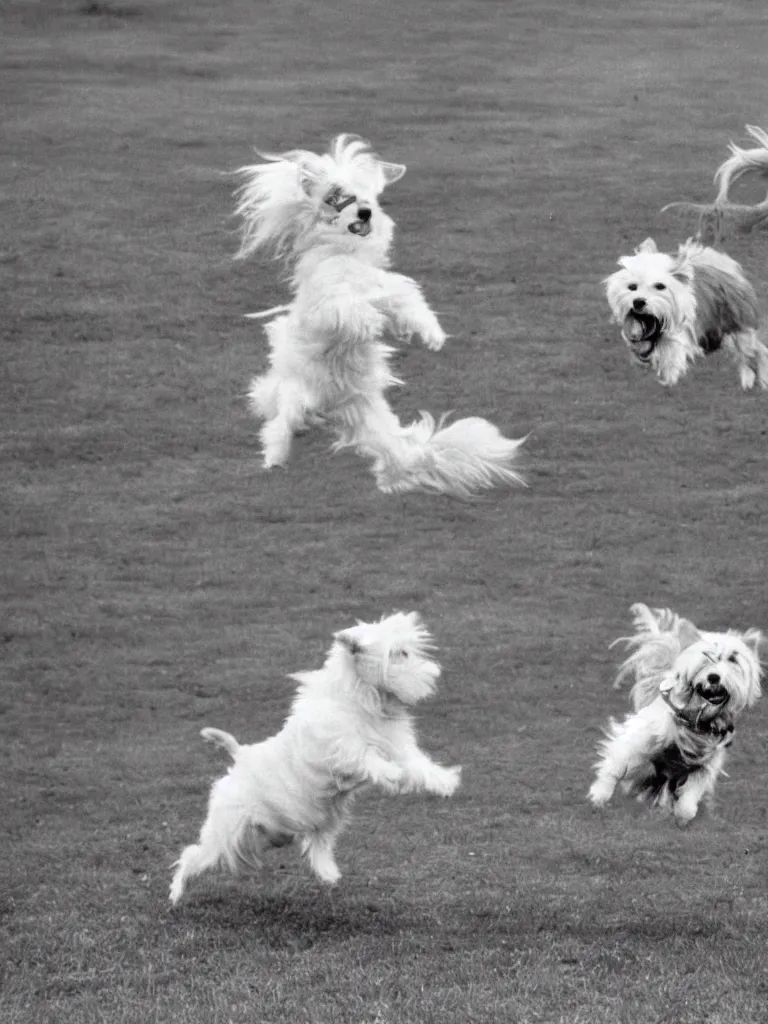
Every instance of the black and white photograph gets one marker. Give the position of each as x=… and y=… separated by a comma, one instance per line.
x=384, y=454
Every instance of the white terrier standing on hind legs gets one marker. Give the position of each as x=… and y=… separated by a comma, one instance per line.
x=674, y=308
x=349, y=727
x=689, y=686
x=328, y=361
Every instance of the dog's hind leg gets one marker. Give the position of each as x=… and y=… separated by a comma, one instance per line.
x=623, y=753
x=262, y=396
x=293, y=403
x=193, y=861
x=761, y=365
x=236, y=846
x=369, y=425
x=229, y=838
x=318, y=845
x=318, y=849
x=751, y=357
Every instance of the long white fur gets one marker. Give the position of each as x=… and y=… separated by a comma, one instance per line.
x=712, y=216
x=350, y=727
x=669, y=659
x=703, y=300
x=328, y=360
x=659, y=638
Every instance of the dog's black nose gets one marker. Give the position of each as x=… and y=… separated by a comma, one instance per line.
x=638, y=304
x=364, y=214
x=713, y=678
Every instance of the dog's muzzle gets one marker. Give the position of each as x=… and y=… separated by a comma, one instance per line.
x=641, y=332
x=713, y=693
x=361, y=226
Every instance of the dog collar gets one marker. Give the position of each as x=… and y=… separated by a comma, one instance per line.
x=693, y=721
x=338, y=199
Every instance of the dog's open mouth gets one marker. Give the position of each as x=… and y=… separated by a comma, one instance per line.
x=715, y=694
x=642, y=331
x=360, y=227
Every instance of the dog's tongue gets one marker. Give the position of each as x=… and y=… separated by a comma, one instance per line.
x=641, y=331
x=360, y=227
x=714, y=697
x=634, y=329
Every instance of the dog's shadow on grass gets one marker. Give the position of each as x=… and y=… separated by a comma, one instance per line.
x=293, y=921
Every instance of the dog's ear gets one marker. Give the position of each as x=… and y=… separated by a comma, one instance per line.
x=682, y=269
x=683, y=272
x=391, y=172
x=754, y=639
x=308, y=178
x=308, y=167
x=687, y=634
x=647, y=246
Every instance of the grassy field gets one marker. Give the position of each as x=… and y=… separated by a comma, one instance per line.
x=157, y=580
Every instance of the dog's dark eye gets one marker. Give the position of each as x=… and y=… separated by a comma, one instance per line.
x=632, y=287
x=660, y=287
x=734, y=658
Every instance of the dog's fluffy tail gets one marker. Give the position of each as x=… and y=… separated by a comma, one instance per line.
x=742, y=216
x=221, y=739
x=659, y=638
x=741, y=162
x=459, y=459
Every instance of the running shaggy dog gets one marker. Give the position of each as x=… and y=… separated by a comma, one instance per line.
x=689, y=686
x=674, y=308
x=350, y=727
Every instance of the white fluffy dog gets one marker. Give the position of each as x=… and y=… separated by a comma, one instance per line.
x=674, y=308
x=328, y=361
x=742, y=216
x=349, y=727
x=689, y=685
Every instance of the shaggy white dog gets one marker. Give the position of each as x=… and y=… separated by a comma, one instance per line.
x=689, y=686
x=674, y=308
x=350, y=727
x=329, y=362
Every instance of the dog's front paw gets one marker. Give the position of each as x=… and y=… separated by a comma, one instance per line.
x=328, y=874
x=276, y=442
x=177, y=888
x=684, y=811
x=448, y=781
x=433, y=337
x=683, y=820
x=391, y=778
x=600, y=793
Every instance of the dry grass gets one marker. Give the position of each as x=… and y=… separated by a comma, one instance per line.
x=157, y=580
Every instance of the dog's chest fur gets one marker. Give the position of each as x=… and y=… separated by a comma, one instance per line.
x=346, y=352
x=674, y=762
